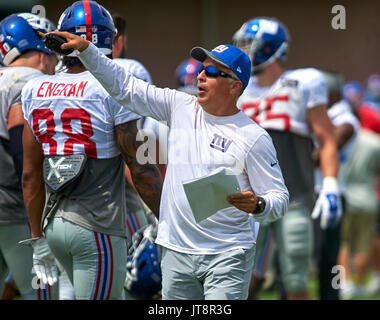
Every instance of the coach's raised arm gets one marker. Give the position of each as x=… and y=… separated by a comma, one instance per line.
x=119, y=83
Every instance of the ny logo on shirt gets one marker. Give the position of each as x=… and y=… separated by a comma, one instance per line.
x=220, y=143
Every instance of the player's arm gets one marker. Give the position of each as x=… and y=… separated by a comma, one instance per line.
x=323, y=131
x=342, y=133
x=146, y=177
x=15, y=128
x=328, y=205
x=33, y=185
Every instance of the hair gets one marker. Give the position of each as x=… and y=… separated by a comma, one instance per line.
x=70, y=62
x=120, y=24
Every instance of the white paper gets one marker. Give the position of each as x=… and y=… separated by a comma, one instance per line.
x=207, y=195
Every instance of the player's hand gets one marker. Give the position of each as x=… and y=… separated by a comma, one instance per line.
x=328, y=205
x=245, y=201
x=43, y=260
x=73, y=41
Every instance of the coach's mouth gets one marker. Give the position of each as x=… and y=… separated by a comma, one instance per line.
x=201, y=90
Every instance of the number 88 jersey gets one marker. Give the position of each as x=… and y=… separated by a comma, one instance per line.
x=283, y=106
x=73, y=114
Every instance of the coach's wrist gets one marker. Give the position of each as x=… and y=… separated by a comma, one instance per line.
x=260, y=206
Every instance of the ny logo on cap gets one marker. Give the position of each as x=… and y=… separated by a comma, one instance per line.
x=220, y=49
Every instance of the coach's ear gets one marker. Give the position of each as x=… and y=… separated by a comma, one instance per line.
x=236, y=87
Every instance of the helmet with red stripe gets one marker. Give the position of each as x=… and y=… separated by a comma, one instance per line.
x=18, y=34
x=91, y=21
x=186, y=75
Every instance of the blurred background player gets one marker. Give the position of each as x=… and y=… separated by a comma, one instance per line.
x=327, y=240
x=372, y=94
x=186, y=75
x=361, y=175
x=25, y=56
x=84, y=222
x=119, y=50
x=368, y=115
x=141, y=282
x=291, y=106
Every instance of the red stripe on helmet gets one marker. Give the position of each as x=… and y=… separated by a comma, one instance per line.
x=3, y=49
x=87, y=15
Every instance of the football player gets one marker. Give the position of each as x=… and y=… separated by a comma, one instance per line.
x=25, y=56
x=75, y=139
x=327, y=240
x=291, y=106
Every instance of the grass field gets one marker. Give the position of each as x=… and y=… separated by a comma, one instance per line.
x=273, y=294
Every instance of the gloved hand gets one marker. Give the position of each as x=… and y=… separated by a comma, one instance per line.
x=43, y=260
x=328, y=204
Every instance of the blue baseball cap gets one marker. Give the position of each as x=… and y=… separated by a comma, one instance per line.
x=229, y=56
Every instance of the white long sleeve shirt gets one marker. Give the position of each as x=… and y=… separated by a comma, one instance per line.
x=198, y=144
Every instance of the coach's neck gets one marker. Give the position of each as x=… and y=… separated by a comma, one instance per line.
x=221, y=110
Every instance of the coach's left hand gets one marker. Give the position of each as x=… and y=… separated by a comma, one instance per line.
x=245, y=201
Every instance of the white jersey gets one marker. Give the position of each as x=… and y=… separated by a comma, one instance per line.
x=282, y=110
x=199, y=143
x=73, y=114
x=12, y=80
x=340, y=113
x=283, y=105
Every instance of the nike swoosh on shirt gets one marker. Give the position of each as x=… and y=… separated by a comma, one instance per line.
x=272, y=164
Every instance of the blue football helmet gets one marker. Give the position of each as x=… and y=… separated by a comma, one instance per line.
x=18, y=34
x=143, y=279
x=186, y=75
x=351, y=89
x=264, y=40
x=91, y=21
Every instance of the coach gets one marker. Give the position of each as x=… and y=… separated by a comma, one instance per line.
x=211, y=259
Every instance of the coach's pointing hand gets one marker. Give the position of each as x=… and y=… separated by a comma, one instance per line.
x=73, y=41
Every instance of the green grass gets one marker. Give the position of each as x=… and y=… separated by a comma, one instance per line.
x=313, y=289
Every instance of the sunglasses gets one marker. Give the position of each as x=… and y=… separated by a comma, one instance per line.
x=212, y=72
